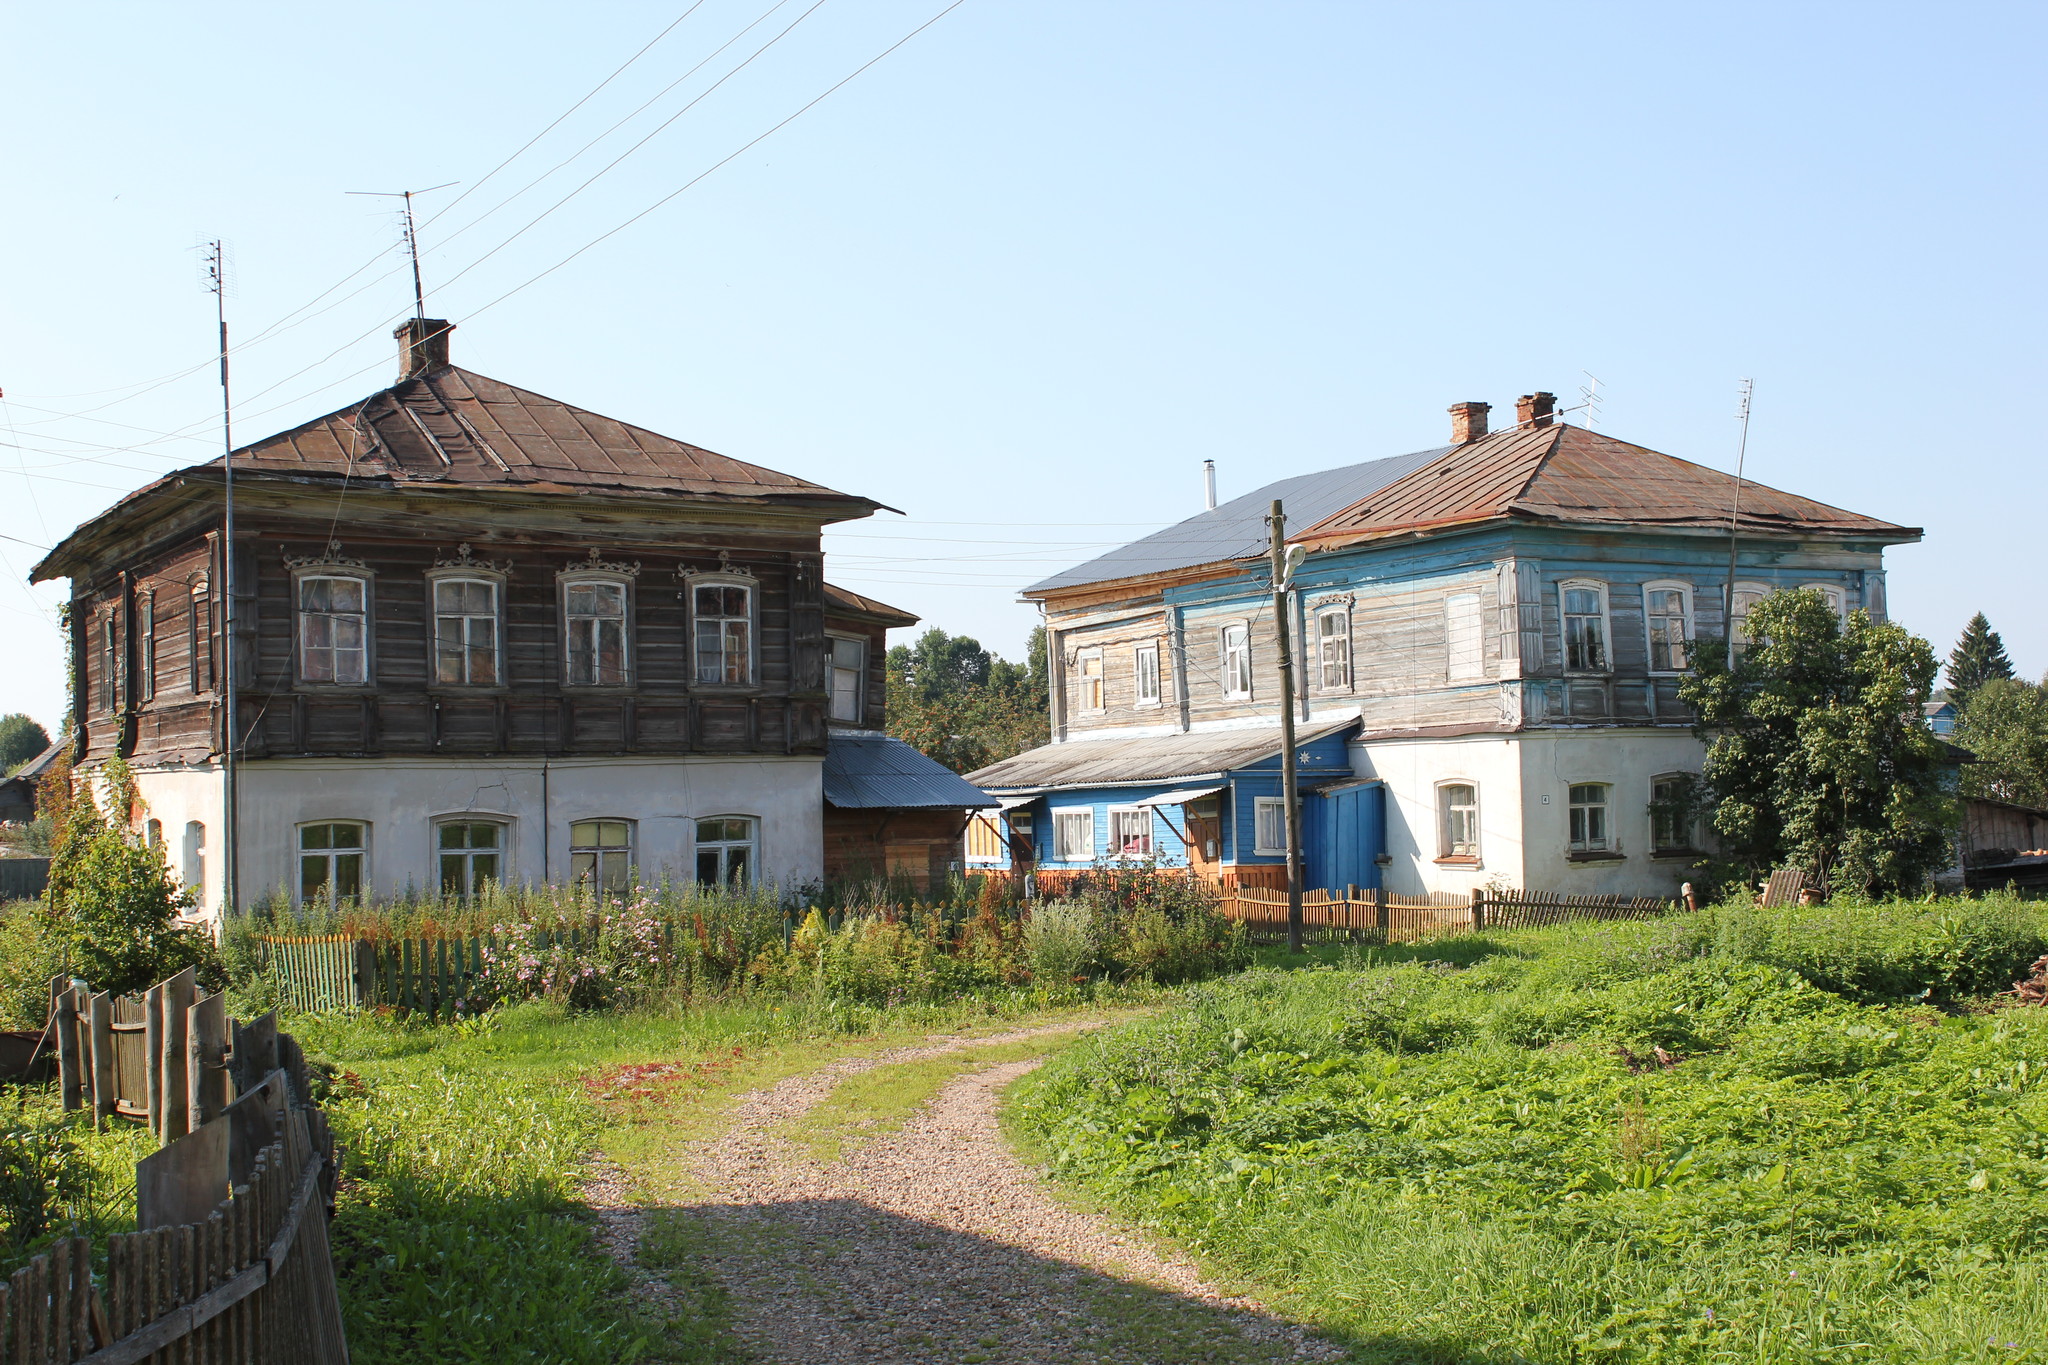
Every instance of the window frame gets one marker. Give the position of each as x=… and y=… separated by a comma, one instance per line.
x=466, y=574
x=1060, y=815
x=1738, y=615
x=110, y=661
x=199, y=635
x=1140, y=699
x=579, y=577
x=502, y=850
x=1446, y=844
x=1082, y=678
x=1347, y=678
x=750, y=871
x=1690, y=835
x=1476, y=671
x=367, y=581
x=834, y=638
x=1565, y=616
x=1581, y=846
x=751, y=586
x=1260, y=805
x=1225, y=672
x=1150, y=837
x=360, y=851
x=1682, y=652
x=1837, y=596
x=600, y=851
x=145, y=645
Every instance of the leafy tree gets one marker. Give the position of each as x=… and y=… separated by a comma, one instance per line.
x=1817, y=756
x=1979, y=656
x=21, y=739
x=953, y=701
x=2006, y=730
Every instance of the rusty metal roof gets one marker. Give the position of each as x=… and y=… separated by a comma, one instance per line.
x=846, y=602
x=870, y=772
x=1153, y=758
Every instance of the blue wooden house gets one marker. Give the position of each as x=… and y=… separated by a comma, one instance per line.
x=1489, y=636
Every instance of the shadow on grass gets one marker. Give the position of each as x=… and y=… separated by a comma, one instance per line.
x=1462, y=950
x=838, y=1279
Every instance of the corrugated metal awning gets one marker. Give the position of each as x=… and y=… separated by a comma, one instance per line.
x=872, y=772
x=1012, y=802
x=1181, y=797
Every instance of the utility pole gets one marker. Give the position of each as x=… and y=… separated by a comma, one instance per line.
x=217, y=283
x=1734, y=517
x=1277, y=519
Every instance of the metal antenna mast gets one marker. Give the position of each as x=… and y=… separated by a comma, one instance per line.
x=1735, y=513
x=217, y=285
x=412, y=237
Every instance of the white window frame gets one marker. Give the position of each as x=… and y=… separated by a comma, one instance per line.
x=1741, y=602
x=1144, y=670
x=302, y=620
x=110, y=662
x=600, y=853
x=145, y=645
x=1473, y=668
x=1235, y=659
x=1837, y=595
x=496, y=583
x=501, y=851
x=1690, y=833
x=724, y=846
x=1150, y=837
x=1061, y=850
x=1084, y=682
x=1681, y=659
x=1583, y=845
x=1446, y=843
x=586, y=578
x=1333, y=651
x=833, y=668
x=361, y=852
x=1261, y=805
x=1564, y=626
x=751, y=619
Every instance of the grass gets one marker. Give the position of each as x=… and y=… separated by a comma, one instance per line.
x=1736, y=1136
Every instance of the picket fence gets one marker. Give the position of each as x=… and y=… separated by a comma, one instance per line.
x=1373, y=915
x=231, y=1265
x=428, y=976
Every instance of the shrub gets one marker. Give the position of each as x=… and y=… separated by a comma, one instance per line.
x=1059, y=941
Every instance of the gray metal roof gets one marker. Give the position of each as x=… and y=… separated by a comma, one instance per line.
x=1155, y=758
x=864, y=772
x=1237, y=529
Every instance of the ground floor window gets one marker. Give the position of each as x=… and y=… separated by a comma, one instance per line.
x=1073, y=836
x=725, y=850
x=601, y=854
x=1458, y=807
x=1672, y=822
x=1130, y=832
x=1269, y=819
x=331, y=857
x=1589, y=826
x=471, y=853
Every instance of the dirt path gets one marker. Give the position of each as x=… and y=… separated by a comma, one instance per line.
x=932, y=1244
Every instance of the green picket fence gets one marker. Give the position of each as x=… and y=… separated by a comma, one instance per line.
x=429, y=976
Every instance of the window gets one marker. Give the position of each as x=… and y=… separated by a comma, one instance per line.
x=1589, y=829
x=985, y=842
x=594, y=611
x=1671, y=813
x=1746, y=596
x=1237, y=661
x=1667, y=616
x=1465, y=647
x=1333, y=648
x=1837, y=600
x=145, y=645
x=199, y=640
x=194, y=872
x=725, y=632
x=1269, y=825
x=110, y=664
x=466, y=632
x=331, y=862
x=1458, y=820
x=470, y=851
x=1088, y=680
x=1130, y=832
x=1145, y=670
x=849, y=667
x=1073, y=835
x=153, y=834
x=333, y=643
x=725, y=850
x=601, y=854
x=1585, y=627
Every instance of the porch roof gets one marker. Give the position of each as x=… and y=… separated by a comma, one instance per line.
x=1198, y=756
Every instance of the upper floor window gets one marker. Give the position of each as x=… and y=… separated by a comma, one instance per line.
x=601, y=854
x=1837, y=599
x=724, y=615
x=331, y=861
x=594, y=615
x=1465, y=643
x=466, y=632
x=849, y=668
x=1145, y=674
x=1237, y=661
x=110, y=663
x=1130, y=832
x=333, y=629
x=471, y=852
x=1744, y=600
x=1458, y=820
x=1333, y=648
x=726, y=848
x=199, y=638
x=1667, y=617
x=1588, y=813
x=1585, y=626
x=145, y=646
x=1073, y=835
x=1088, y=680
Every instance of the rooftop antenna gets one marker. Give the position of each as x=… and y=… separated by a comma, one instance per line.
x=1590, y=392
x=216, y=265
x=1735, y=512
x=412, y=236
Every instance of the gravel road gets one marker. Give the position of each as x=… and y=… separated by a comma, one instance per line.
x=932, y=1244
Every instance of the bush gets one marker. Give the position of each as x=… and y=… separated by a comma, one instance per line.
x=1059, y=941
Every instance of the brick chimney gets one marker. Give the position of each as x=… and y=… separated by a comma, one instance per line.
x=1468, y=422
x=422, y=346
x=1534, y=409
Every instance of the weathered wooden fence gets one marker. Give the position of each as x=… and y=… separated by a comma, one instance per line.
x=430, y=976
x=1372, y=915
x=231, y=1264
x=23, y=878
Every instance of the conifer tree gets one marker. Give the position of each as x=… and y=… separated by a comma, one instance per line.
x=1979, y=656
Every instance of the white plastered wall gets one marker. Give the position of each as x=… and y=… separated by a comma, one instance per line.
x=1412, y=770
x=403, y=800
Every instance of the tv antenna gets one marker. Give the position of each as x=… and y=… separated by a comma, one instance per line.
x=216, y=284
x=412, y=236
x=1735, y=512
x=1589, y=392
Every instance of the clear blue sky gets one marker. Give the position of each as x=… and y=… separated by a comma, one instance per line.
x=1021, y=277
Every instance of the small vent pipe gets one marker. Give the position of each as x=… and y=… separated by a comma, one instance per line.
x=1209, y=483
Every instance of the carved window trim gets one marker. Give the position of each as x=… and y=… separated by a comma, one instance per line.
x=1604, y=666
x=1145, y=669
x=339, y=570
x=727, y=575
x=611, y=575
x=1336, y=656
x=465, y=570
x=107, y=626
x=1456, y=816
x=1679, y=655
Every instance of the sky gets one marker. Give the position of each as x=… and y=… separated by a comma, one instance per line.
x=1021, y=275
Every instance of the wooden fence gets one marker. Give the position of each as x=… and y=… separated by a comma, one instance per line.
x=1373, y=915
x=231, y=1264
x=429, y=976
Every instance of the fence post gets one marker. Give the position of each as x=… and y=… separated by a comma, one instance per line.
x=152, y=1060
x=102, y=1057
x=206, y=1046
x=1478, y=909
x=1382, y=918
x=177, y=998
x=70, y=1065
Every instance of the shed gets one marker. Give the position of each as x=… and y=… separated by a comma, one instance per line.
x=889, y=810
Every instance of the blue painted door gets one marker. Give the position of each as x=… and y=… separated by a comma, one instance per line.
x=1346, y=834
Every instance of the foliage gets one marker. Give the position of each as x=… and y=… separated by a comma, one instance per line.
x=21, y=739
x=59, y=1177
x=1817, y=756
x=1978, y=658
x=1732, y=1135
x=2005, y=728
x=955, y=702
x=29, y=957
x=1059, y=941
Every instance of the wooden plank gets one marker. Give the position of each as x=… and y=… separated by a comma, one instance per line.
x=206, y=1059
x=181, y=1182
x=70, y=1063
x=171, y=1085
x=104, y=1093
x=255, y=1052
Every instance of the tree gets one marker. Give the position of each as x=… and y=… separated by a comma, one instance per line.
x=955, y=702
x=2006, y=731
x=21, y=739
x=1979, y=656
x=1817, y=757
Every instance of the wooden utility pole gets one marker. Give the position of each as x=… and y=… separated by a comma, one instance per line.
x=1277, y=518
